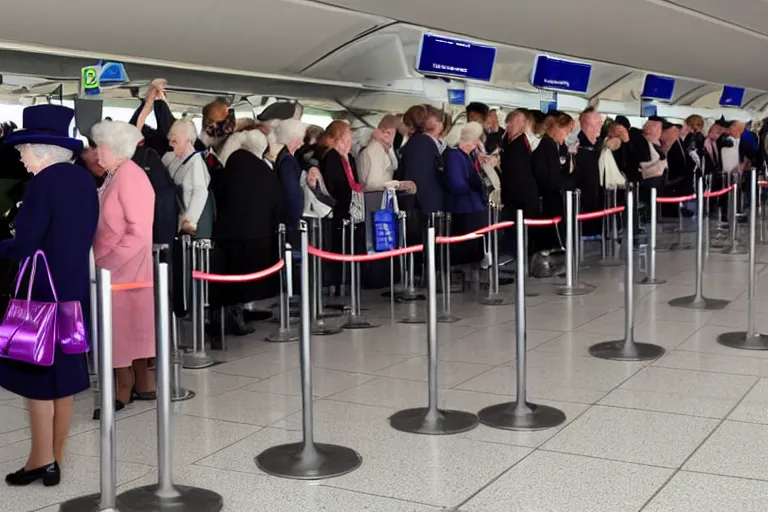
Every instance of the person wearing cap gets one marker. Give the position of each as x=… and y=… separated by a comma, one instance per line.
x=59, y=216
x=477, y=112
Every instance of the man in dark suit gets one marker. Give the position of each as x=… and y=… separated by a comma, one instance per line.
x=680, y=171
x=587, y=168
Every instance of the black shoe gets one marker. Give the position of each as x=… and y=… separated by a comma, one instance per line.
x=50, y=474
x=119, y=406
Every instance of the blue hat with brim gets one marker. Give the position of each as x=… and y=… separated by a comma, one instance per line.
x=47, y=124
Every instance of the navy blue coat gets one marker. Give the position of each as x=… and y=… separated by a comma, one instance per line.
x=464, y=187
x=422, y=164
x=59, y=216
x=289, y=173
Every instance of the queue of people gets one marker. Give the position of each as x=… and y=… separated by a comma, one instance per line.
x=236, y=180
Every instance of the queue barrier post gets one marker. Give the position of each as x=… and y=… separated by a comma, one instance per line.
x=493, y=298
x=719, y=240
x=307, y=460
x=521, y=414
x=410, y=294
x=650, y=277
x=198, y=358
x=414, y=316
x=628, y=349
x=446, y=317
x=93, y=356
x=608, y=246
x=106, y=499
x=697, y=300
x=749, y=339
x=284, y=333
x=679, y=245
x=319, y=327
x=430, y=420
x=165, y=495
x=356, y=319
x=572, y=285
x=734, y=246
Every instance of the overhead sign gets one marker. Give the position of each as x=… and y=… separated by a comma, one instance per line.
x=648, y=109
x=457, y=97
x=456, y=58
x=561, y=75
x=547, y=100
x=732, y=96
x=112, y=73
x=657, y=87
x=89, y=81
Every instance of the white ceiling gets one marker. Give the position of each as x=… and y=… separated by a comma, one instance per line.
x=375, y=42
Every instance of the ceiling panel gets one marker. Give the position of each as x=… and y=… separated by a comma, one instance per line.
x=749, y=14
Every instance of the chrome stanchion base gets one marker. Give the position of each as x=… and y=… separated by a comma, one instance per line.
x=447, y=319
x=413, y=320
x=620, y=350
x=295, y=461
x=610, y=263
x=680, y=247
x=86, y=504
x=196, y=361
x=295, y=320
x=580, y=289
x=189, y=499
x=494, y=300
x=410, y=297
x=702, y=303
x=321, y=329
x=358, y=322
x=182, y=395
x=528, y=416
x=282, y=336
x=742, y=341
x=423, y=420
x=648, y=280
x=735, y=249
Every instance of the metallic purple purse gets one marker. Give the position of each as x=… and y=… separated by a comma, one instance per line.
x=31, y=329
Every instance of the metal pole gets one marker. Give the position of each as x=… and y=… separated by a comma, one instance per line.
x=430, y=419
x=627, y=349
x=679, y=245
x=651, y=277
x=751, y=339
x=610, y=233
x=572, y=285
x=447, y=317
x=284, y=333
x=734, y=245
x=319, y=327
x=106, y=500
x=343, y=291
x=356, y=319
x=198, y=359
x=579, y=248
x=493, y=298
x=698, y=300
x=521, y=414
x=409, y=293
x=94, y=332
x=307, y=460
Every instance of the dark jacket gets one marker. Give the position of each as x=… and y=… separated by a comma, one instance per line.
x=335, y=178
x=464, y=191
x=518, y=184
x=493, y=140
x=548, y=169
x=289, y=173
x=423, y=164
x=680, y=170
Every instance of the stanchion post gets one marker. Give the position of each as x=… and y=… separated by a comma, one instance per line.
x=521, y=414
x=106, y=499
x=284, y=333
x=698, y=300
x=679, y=245
x=493, y=298
x=94, y=332
x=734, y=246
x=749, y=339
x=307, y=460
x=356, y=319
x=651, y=278
x=446, y=317
x=319, y=327
x=165, y=496
x=198, y=358
x=430, y=419
x=627, y=349
x=572, y=285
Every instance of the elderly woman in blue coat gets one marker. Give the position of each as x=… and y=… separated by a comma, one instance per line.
x=59, y=217
x=465, y=195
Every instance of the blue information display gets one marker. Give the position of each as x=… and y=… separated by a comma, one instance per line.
x=562, y=75
x=457, y=97
x=547, y=100
x=732, y=96
x=452, y=57
x=112, y=73
x=648, y=109
x=658, y=87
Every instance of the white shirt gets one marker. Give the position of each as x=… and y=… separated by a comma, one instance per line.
x=730, y=156
x=193, y=178
x=376, y=167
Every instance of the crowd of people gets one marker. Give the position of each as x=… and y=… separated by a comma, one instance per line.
x=238, y=179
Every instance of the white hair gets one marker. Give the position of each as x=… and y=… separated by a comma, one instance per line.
x=472, y=132
x=253, y=141
x=55, y=154
x=119, y=136
x=184, y=128
x=290, y=130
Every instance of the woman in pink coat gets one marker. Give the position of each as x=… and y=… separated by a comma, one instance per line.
x=123, y=245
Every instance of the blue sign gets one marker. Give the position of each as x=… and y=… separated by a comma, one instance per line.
x=562, y=75
x=732, y=96
x=457, y=97
x=452, y=57
x=112, y=73
x=658, y=88
x=648, y=109
x=547, y=101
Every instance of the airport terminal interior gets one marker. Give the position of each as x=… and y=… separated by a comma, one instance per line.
x=670, y=265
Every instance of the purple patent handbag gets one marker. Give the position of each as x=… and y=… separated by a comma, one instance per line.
x=31, y=329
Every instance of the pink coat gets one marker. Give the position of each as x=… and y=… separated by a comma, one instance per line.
x=123, y=245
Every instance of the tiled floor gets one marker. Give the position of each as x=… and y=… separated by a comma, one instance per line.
x=685, y=433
